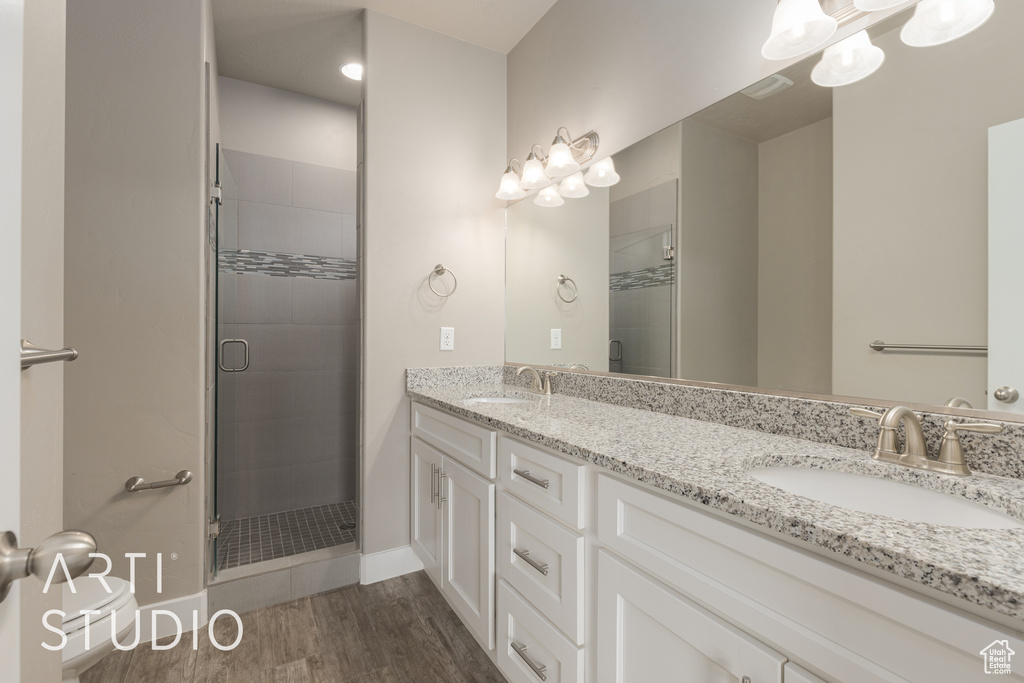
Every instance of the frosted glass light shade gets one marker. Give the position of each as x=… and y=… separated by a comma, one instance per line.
x=939, y=21
x=573, y=187
x=602, y=174
x=875, y=5
x=848, y=61
x=352, y=70
x=510, y=188
x=533, y=174
x=560, y=161
x=799, y=26
x=549, y=197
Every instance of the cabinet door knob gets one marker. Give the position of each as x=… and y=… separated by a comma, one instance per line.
x=17, y=563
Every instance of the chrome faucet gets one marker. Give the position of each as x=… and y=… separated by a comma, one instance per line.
x=541, y=381
x=915, y=454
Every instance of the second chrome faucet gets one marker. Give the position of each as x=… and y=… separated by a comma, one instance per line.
x=915, y=454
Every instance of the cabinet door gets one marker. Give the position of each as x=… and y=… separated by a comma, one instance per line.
x=648, y=633
x=426, y=508
x=468, y=537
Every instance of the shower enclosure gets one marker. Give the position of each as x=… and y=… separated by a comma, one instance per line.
x=287, y=354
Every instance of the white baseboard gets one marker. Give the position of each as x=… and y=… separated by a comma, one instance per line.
x=183, y=608
x=388, y=564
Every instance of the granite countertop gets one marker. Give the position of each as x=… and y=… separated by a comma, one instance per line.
x=706, y=463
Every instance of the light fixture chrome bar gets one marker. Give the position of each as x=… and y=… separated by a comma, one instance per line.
x=879, y=345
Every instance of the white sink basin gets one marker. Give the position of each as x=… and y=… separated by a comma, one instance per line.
x=884, y=497
x=497, y=399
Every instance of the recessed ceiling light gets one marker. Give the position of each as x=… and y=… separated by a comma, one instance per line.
x=353, y=71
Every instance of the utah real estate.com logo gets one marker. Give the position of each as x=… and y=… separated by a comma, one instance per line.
x=997, y=657
x=60, y=565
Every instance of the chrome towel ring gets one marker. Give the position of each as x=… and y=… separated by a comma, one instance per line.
x=440, y=270
x=562, y=279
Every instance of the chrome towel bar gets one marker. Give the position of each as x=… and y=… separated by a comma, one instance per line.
x=879, y=345
x=138, y=483
x=35, y=355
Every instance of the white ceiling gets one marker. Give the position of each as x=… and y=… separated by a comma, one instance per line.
x=298, y=45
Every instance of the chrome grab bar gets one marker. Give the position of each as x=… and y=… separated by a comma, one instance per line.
x=524, y=555
x=539, y=669
x=525, y=474
x=35, y=355
x=138, y=483
x=220, y=356
x=879, y=345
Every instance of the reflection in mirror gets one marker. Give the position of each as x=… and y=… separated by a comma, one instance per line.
x=768, y=242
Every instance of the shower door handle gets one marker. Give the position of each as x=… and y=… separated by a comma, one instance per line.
x=220, y=356
x=614, y=357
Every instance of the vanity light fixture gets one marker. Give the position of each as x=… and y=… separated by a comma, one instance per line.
x=549, y=197
x=353, y=70
x=939, y=21
x=602, y=174
x=561, y=161
x=510, y=187
x=798, y=27
x=534, y=176
x=848, y=61
x=876, y=5
x=573, y=187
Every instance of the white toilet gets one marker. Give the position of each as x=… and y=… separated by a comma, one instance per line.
x=91, y=595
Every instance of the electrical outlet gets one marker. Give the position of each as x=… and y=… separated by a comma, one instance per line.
x=447, y=338
x=556, y=338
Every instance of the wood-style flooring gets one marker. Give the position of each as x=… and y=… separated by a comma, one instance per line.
x=396, y=630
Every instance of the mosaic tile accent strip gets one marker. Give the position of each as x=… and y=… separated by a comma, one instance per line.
x=283, y=534
x=656, y=276
x=286, y=265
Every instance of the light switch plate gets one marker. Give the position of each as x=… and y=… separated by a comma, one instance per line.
x=447, y=338
x=556, y=338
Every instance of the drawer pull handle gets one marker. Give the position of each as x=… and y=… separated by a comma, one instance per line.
x=525, y=474
x=539, y=669
x=542, y=567
x=441, y=498
x=433, y=484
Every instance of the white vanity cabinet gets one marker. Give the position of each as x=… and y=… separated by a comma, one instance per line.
x=453, y=513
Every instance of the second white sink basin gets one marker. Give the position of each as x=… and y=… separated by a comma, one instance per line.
x=884, y=497
x=497, y=399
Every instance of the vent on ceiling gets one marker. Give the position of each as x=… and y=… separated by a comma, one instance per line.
x=767, y=87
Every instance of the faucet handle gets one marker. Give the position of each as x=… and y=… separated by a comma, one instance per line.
x=864, y=412
x=951, y=451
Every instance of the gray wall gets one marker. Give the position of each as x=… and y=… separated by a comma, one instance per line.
x=434, y=152
x=135, y=236
x=286, y=425
x=794, y=348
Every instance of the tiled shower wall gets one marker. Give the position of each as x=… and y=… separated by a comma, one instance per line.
x=287, y=424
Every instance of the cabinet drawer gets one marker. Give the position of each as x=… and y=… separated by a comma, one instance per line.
x=469, y=443
x=530, y=649
x=550, y=482
x=544, y=562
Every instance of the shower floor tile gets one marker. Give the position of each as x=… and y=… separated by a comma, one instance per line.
x=282, y=534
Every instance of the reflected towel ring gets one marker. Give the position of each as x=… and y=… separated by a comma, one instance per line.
x=440, y=270
x=562, y=279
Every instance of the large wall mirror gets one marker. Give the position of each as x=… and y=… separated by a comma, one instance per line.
x=769, y=242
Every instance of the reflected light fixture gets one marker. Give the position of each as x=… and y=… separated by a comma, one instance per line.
x=352, y=70
x=602, y=174
x=573, y=187
x=939, y=21
x=549, y=197
x=510, y=187
x=848, y=61
x=876, y=5
x=533, y=171
x=799, y=26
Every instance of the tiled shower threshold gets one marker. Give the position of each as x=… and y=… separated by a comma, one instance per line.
x=285, y=538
